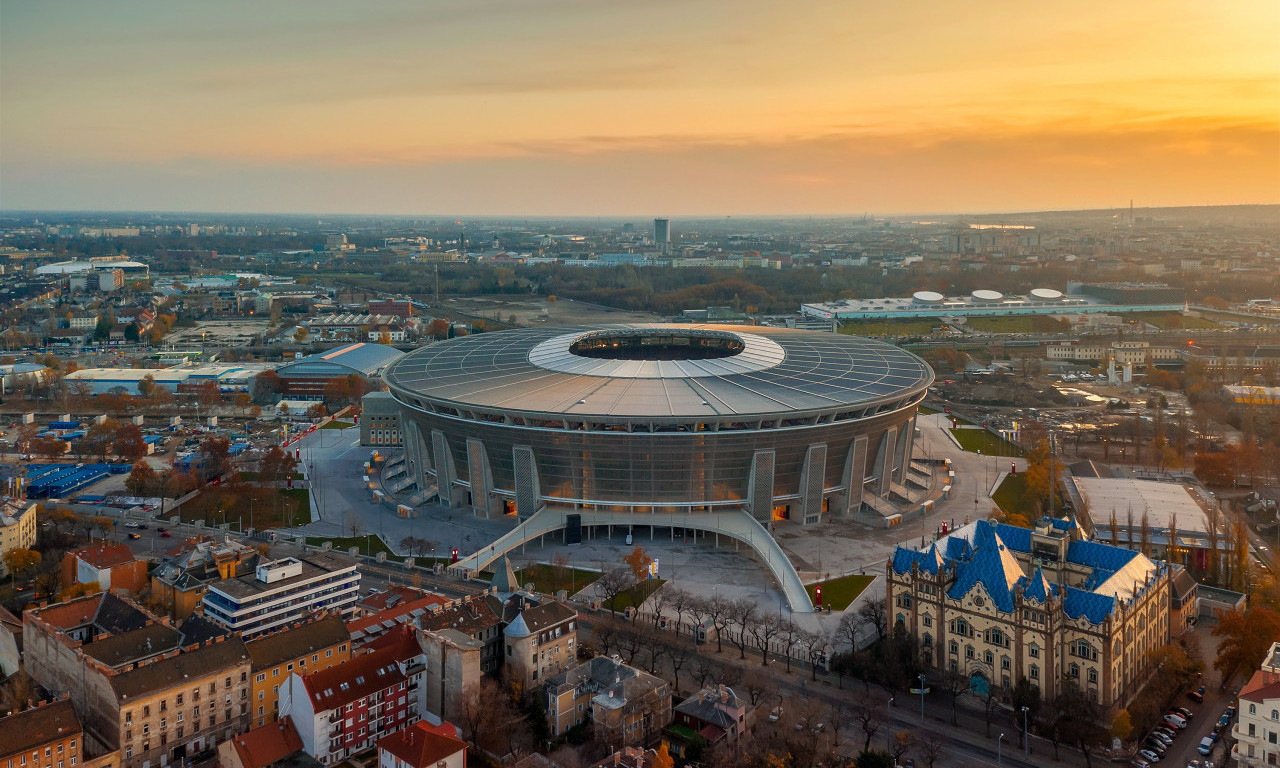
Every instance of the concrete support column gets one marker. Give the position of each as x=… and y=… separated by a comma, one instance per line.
x=446, y=475
x=760, y=485
x=905, y=442
x=812, y=481
x=884, y=461
x=526, y=472
x=855, y=471
x=481, y=477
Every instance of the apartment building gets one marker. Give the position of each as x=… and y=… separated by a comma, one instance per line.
x=44, y=736
x=627, y=706
x=423, y=746
x=478, y=617
x=17, y=525
x=306, y=647
x=1136, y=353
x=1257, y=731
x=180, y=580
x=141, y=686
x=283, y=591
x=540, y=638
x=998, y=604
x=106, y=565
x=348, y=708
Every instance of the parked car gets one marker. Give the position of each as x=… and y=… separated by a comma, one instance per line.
x=1165, y=728
x=1206, y=746
x=1225, y=720
x=130, y=524
x=1231, y=710
x=143, y=526
x=1196, y=695
x=1184, y=712
x=1161, y=737
x=1177, y=721
x=1154, y=746
x=165, y=534
x=1149, y=755
x=1138, y=762
x=775, y=715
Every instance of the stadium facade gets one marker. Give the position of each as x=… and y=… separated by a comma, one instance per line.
x=695, y=427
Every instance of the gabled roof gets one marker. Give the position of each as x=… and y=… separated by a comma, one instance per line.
x=297, y=640
x=37, y=726
x=210, y=659
x=992, y=566
x=423, y=745
x=105, y=555
x=1037, y=587
x=261, y=747
x=354, y=680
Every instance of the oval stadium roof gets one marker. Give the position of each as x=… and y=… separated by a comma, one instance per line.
x=777, y=371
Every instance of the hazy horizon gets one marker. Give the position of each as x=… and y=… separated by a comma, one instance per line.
x=602, y=108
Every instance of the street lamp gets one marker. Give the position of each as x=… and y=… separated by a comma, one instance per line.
x=1026, y=743
x=999, y=743
x=922, y=678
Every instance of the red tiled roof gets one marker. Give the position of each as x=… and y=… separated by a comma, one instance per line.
x=1263, y=685
x=105, y=555
x=400, y=613
x=263, y=746
x=353, y=680
x=423, y=745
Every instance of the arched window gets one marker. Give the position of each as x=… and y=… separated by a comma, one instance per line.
x=955, y=647
x=1035, y=672
x=1275, y=714
x=1075, y=670
x=1035, y=651
x=1005, y=663
x=968, y=651
x=928, y=639
x=989, y=657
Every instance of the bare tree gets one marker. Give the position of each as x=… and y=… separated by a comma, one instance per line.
x=740, y=617
x=815, y=647
x=679, y=600
x=703, y=670
x=756, y=684
x=606, y=636
x=848, y=630
x=658, y=601
x=787, y=638
x=677, y=656
x=836, y=718
x=875, y=614
x=931, y=746
x=762, y=634
x=700, y=612
x=901, y=742
x=613, y=583
x=869, y=720
x=718, y=611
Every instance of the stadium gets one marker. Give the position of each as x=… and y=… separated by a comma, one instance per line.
x=701, y=428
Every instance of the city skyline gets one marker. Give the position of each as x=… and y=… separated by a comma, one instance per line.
x=601, y=108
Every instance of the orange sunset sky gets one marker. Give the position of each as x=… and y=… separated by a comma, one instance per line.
x=637, y=107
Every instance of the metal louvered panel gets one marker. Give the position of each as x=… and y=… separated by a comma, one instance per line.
x=526, y=481
x=815, y=462
x=762, y=466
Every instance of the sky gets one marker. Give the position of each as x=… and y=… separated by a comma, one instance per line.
x=637, y=107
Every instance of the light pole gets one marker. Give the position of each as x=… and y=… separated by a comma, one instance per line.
x=922, y=678
x=1026, y=739
x=999, y=756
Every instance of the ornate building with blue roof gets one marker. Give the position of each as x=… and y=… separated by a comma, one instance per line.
x=998, y=603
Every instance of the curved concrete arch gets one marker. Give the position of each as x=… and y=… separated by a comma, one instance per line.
x=739, y=526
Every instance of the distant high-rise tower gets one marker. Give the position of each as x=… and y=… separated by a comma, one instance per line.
x=661, y=231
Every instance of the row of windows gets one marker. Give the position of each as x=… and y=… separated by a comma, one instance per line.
x=315, y=657
x=48, y=752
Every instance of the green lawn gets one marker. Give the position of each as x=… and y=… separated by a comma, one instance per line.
x=1011, y=496
x=896, y=327
x=636, y=594
x=838, y=593
x=1017, y=324
x=1172, y=321
x=261, y=508
x=335, y=424
x=548, y=579
x=928, y=410
x=974, y=440
x=369, y=545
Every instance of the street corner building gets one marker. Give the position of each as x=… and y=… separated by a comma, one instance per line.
x=998, y=604
x=699, y=429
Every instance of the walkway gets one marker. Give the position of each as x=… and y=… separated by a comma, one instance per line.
x=738, y=526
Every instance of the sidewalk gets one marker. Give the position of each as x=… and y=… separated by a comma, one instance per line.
x=970, y=730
